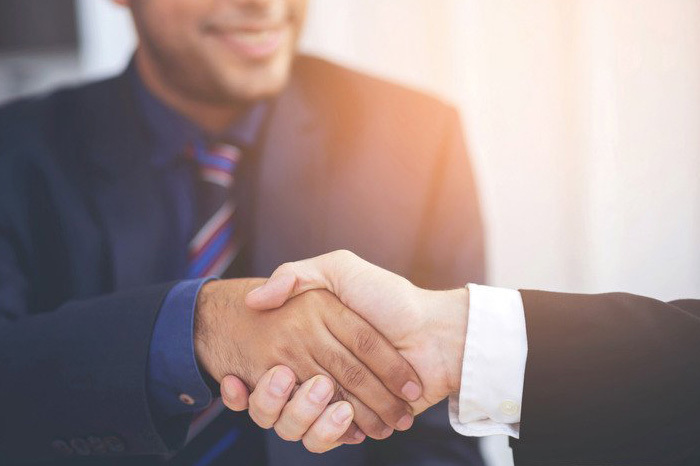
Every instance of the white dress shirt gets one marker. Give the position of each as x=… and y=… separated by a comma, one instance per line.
x=493, y=369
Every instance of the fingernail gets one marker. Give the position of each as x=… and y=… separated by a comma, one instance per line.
x=280, y=383
x=405, y=422
x=342, y=413
x=359, y=436
x=387, y=432
x=320, y=390
x=411, y=390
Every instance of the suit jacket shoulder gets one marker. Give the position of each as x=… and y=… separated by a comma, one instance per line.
x=357, y=102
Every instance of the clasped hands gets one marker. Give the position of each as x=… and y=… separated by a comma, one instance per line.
x=335, y=348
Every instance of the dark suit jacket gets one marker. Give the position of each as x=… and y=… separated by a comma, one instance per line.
x=86, y=257
x=611, y=379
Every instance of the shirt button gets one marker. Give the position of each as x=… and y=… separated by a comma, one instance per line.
x=187, y=399
x=510, y=408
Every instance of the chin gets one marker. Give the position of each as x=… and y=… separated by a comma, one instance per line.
x=256, y=87
x=257, y=81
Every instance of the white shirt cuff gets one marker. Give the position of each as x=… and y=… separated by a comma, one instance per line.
x=493, y=368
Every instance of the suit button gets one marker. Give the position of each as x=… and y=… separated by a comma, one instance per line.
x=114, y=444
x=509, y=408
x=80, y=446
x=61, y=447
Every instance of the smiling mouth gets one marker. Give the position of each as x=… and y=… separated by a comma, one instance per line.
x=255, y=44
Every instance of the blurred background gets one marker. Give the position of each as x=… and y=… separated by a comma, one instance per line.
x=582, y=118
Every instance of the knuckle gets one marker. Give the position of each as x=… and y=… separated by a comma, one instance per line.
x=354, y=376
x=284, y=435
x=327, y=436
x=262, y=412
x=312, y=446
x=375, y=429
x=288, y=352
x=345, y=254
x=393, y=411
x=260, y=421
x=287, y=267
x=298, y=418
x=366, y=341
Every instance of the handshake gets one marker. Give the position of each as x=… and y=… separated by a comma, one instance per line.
x=334, y=348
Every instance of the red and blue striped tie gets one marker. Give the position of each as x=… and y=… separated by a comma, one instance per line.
x=214, y=247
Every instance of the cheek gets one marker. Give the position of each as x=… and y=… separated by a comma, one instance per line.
x=170, y=23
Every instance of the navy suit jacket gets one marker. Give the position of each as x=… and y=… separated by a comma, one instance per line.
x=345, y=161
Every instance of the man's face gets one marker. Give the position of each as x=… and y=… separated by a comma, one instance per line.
x=220, y=51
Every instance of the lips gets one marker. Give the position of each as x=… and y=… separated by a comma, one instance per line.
x=255, y=44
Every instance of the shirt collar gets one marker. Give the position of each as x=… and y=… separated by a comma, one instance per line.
x=171, y=132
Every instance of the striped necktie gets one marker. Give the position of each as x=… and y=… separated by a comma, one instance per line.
x=214, y=247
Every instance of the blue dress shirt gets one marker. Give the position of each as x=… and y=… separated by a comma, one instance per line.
x=175, y=384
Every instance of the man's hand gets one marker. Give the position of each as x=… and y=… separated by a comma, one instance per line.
x=310, y=334
x=427, y=327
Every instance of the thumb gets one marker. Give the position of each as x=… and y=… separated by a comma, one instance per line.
x=234, y=393
x=273, y=293
x=294, y=278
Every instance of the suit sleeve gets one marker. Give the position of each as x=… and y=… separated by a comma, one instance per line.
x=611, y=378
x=73, y=381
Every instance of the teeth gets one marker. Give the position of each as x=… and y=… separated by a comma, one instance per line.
x=254, y=37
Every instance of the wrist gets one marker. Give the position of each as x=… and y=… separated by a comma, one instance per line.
x=451, y=314
x=219, y=305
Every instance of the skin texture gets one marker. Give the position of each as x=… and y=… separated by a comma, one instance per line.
x=427, y=327
x=312, y=334
x=190, y=54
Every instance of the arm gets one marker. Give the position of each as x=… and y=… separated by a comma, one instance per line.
x=76, y=377
x=608, y=377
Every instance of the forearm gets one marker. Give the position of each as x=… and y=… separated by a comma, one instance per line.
x=80, y=371
x=607, y=370
x=218, y=307
x=448, y=313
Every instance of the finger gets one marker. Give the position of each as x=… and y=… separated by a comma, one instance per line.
x=304, y=408
x=366, y=420
x=234, y=393
x=326, y=432
x=279, y=288
x=353, y=435
x=294, y=278
x=356, y=378
x=270, y=396
x=375, y=351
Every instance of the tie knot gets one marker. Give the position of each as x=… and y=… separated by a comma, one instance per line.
x=217, y=162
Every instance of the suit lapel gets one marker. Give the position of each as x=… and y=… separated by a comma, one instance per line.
x=290, y=181
x=126, y=203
